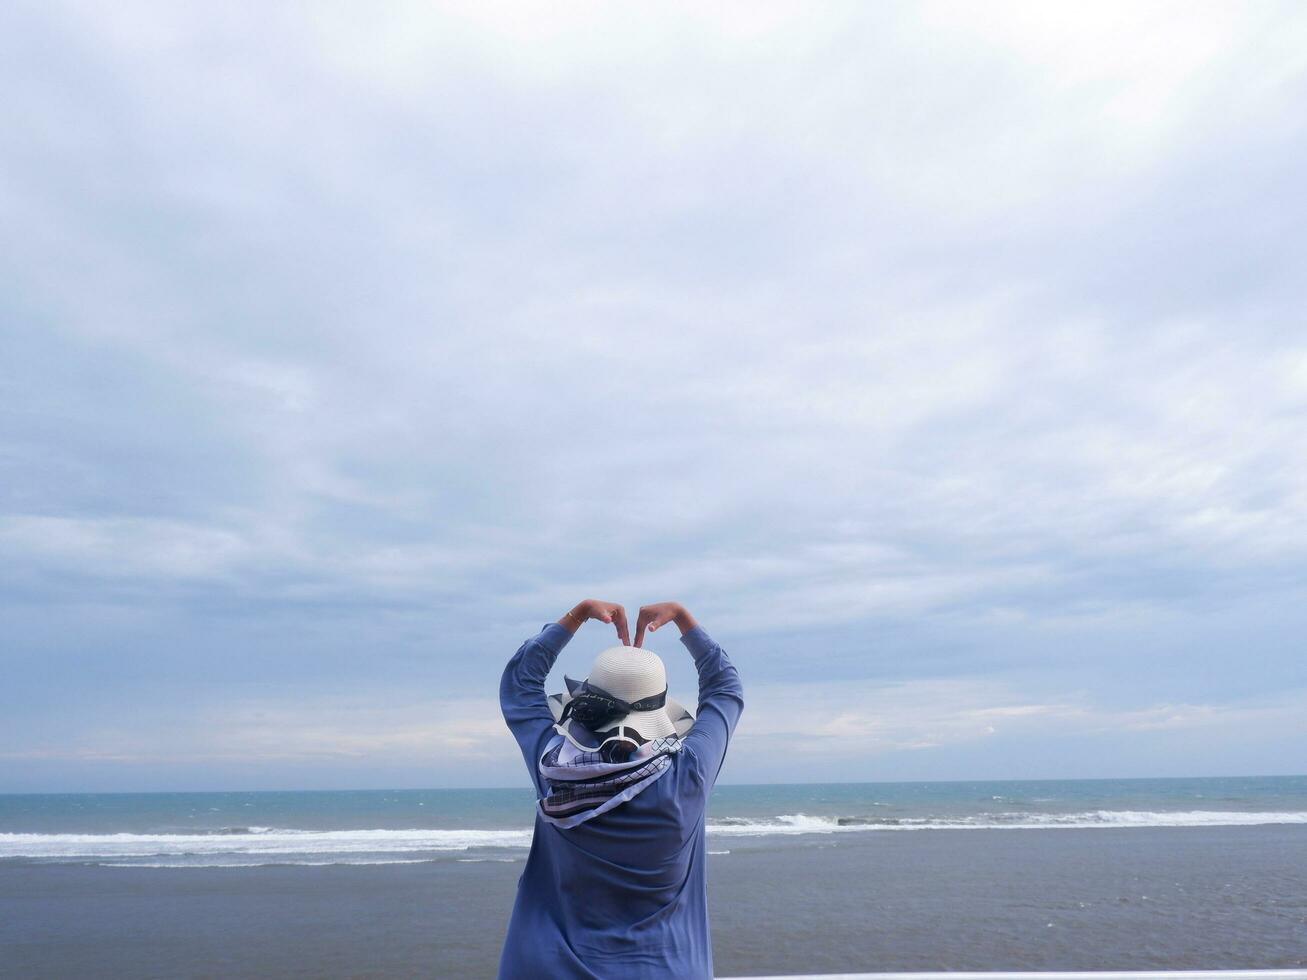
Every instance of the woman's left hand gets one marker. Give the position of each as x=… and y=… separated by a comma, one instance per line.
x=660, y=613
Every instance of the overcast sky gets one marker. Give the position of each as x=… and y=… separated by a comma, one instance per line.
x=948, y=362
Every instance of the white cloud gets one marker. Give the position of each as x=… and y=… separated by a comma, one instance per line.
x=268, y=730
x=805, y=730
x=114, y=548
x=861, y=720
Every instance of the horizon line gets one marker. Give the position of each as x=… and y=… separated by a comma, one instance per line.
x=466, y=789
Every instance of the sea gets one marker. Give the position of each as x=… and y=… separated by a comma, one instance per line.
x=815, y=878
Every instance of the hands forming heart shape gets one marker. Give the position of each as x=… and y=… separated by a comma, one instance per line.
x=651, y=617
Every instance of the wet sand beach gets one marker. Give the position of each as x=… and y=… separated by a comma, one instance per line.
x=1084, y=899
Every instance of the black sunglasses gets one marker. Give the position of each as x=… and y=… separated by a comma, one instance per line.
x=620, y=743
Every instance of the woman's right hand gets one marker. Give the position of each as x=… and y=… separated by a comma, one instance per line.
x=659, y=614
x=606, y=612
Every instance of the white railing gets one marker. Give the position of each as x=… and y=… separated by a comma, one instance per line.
x=1059, y=975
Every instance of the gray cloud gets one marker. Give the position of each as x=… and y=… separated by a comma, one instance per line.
x=901, y=343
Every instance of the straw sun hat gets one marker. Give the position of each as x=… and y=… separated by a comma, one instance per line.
x=630, y=674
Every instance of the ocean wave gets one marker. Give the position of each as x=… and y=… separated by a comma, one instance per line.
x=211, y=863
x=487, y=860
x=257, y=846
x=265, y=841
x=800, y=823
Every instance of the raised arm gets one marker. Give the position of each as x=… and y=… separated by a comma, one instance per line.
x=522, y=696
x=721, y=695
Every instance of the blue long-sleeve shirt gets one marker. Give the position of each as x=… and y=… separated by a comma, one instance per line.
x=623, y=895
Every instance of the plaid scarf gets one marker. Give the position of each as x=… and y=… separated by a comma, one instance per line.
x=582, y=785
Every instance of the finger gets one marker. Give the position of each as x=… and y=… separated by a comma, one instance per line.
x=623, y=634
x=640, y=624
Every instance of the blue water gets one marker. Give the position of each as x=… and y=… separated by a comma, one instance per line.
x=416, y=826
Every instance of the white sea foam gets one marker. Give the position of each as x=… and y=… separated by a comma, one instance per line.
x=255, y=846
x=487, y=860
x=212, y=863
x=261, y=842
x=800, y=823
